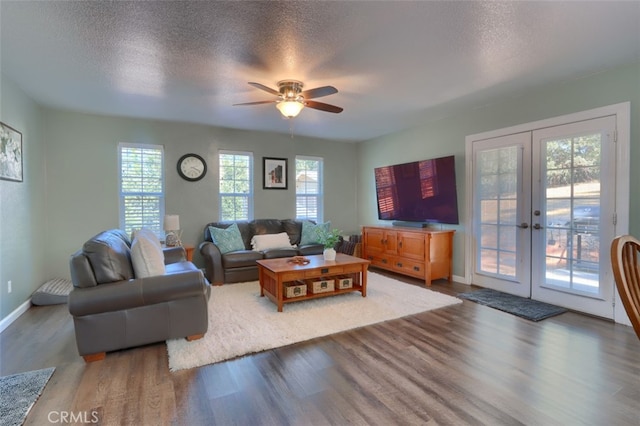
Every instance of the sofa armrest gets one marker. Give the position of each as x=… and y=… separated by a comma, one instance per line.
x=130, y=294
x=212, y=262
x=174, y=255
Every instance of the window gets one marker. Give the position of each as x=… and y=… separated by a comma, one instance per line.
x=236, y=185
x=309, y=196
x=141, y=187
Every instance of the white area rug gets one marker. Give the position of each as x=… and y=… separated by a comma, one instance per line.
x=241, y=322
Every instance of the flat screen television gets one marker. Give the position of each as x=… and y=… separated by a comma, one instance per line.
x=420, y=191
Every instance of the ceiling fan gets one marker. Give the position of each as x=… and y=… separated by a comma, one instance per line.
x=292, y=99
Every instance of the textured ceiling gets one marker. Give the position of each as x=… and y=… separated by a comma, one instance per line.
x=395, y=64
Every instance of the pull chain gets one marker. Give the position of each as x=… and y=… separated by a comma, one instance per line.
x=291, y=127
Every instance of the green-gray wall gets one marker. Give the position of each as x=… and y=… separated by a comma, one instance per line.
x=83, y=176
x=23, y=222
x=447, y=137
x=70, y=191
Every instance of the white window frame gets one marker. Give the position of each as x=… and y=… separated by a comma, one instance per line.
x=249, y=196
x=320, y=194
x=160, y=195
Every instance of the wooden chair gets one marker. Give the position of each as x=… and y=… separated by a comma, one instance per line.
x=626, y=271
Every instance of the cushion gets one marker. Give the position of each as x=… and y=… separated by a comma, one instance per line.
x=277, y=253
x=147, y=257
x=241, y=259
x=266, y=226
x=310, y=230
x=228, y=239
x=270, y=241
x=110, y=256
x=293, y=228
x=148, y=233
x=53, y=292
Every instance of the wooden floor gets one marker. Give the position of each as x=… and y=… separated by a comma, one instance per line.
x=465, y=364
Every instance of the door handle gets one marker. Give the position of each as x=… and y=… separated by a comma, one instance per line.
x=523, y=225
x=537, y=226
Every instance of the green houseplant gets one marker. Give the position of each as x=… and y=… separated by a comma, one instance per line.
x=329, y=239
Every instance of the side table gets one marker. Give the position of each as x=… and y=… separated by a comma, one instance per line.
x=189, y=251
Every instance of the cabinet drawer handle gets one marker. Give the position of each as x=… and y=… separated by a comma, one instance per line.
x=416, y=268
x=400, y=244
x=324, y=270
x=399, y=264
x=384, y=260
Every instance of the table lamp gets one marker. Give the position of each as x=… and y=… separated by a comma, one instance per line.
x=172, y=230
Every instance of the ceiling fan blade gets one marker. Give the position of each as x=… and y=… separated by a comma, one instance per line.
x=256, y=103
x=319, y=92
x=323, y=107
x=265, y=88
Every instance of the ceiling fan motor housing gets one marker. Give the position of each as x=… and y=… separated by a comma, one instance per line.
x=290, y=90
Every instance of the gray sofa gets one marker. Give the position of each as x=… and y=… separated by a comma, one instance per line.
x=239, y=266
x=112, y=309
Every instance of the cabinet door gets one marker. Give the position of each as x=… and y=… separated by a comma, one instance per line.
x=373, y=242
x=441, y=250
x=391, y=242
x=412, y=245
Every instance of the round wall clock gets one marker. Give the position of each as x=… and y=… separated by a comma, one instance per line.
x=192, y=167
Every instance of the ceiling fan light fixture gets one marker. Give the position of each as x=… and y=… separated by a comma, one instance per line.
x=290, y=109
x=292, y=99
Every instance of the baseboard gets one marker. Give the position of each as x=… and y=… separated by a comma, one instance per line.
x=458, y=279
x=9, y=319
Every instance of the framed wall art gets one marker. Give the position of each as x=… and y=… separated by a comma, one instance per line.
x=10, y=153
x=274, y=173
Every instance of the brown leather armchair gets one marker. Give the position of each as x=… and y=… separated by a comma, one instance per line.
x=112, y=309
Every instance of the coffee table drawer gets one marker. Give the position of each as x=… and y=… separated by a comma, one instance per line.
x=350, y=269
x=330, y=270
x=290, y=276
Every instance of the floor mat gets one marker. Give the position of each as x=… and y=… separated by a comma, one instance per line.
x=516, y=305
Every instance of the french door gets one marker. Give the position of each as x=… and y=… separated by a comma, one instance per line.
x=544, y=214
x=502, y=204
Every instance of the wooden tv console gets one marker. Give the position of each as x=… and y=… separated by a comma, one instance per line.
x=417, y=252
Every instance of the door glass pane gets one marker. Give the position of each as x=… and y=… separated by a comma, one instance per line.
x=572, y=179
x=496, y=200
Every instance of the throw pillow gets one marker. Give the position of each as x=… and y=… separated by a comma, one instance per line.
x=309, y=233
x=270, y=241
x=148, y=233
x=147, y=257
x=227, y=239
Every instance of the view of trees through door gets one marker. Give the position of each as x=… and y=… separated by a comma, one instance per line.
x=573, y=189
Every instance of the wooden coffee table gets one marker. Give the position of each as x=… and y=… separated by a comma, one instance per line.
x=275, y=273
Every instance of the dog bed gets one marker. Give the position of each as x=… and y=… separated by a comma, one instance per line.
x=53, y=292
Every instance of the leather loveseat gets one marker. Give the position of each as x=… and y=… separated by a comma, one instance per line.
x=240, y=265
x=113, y=309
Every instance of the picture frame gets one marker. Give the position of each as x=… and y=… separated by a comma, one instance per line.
x=274, y=173
x=10, y=154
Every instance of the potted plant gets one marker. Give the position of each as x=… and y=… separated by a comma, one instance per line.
x=329, y=238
